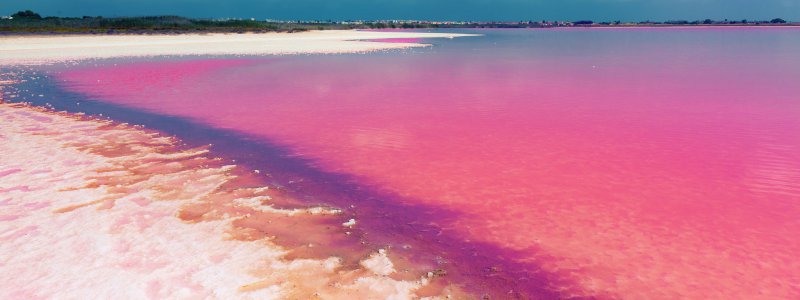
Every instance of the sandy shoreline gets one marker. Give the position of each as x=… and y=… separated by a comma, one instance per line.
x=58, y=48
x=137, y=217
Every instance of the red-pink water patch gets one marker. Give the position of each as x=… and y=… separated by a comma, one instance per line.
x=659, y=168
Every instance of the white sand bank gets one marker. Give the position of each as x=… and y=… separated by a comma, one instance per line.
x=55, y=48
x=90, y=209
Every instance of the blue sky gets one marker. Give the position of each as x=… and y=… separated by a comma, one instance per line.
x=482, y=10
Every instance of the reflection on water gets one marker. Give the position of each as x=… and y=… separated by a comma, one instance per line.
x=642, y=163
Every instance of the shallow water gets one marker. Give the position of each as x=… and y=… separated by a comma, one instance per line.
x=634, y=163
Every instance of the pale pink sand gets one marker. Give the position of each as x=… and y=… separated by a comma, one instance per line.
x=56, y=48
x=93, y=209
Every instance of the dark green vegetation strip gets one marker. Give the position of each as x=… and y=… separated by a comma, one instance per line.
x=30, y=22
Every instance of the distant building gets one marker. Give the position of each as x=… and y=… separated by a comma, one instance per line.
x=6, y=18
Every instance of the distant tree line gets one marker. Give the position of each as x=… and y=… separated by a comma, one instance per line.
x=27, y=14
x=726, y=21
x=29, y=21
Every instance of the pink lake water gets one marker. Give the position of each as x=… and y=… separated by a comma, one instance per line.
x=600, y=163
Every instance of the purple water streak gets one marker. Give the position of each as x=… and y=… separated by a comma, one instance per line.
x=643, y=163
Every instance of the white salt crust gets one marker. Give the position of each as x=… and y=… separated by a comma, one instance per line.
x=65, y=234
x=16, y=50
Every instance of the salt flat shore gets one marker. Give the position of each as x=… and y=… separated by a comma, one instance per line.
x=56, y=48
x=93, y=208
x=96, y=209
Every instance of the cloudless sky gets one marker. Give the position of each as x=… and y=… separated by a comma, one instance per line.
x=478, y=10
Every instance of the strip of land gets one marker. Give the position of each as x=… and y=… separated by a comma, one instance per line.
x=60, y=48
x=29, y=22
